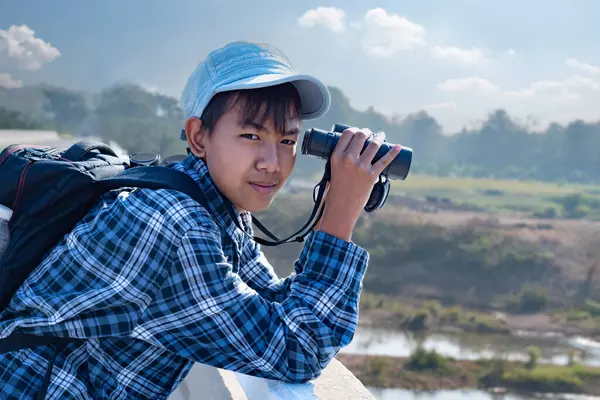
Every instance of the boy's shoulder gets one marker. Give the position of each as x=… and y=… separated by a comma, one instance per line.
x=155, y=208
x=166, y=207
x=167, y=210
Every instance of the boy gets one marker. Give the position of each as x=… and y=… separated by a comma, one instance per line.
x=154, y=282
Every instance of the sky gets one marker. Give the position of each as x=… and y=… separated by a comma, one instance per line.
x=458, y=60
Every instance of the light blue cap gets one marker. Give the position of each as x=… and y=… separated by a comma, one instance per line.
x=245, y=65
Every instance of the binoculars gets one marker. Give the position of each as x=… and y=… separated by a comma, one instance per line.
x=320, y=143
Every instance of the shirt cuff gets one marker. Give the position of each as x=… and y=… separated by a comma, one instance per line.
x=331, y=259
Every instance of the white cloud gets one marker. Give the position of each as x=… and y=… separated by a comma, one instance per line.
x=447, y=105
x=330, y=17
x=472, y=83
x=590, y=69
x=563, y=87
x=567, y=97
x=8, y=82
x=467, y=56
x=388, y=33
x=511, y=52
x=21, y=45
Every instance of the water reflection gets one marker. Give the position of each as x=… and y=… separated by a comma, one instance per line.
x=554, y=348
x=401, y=394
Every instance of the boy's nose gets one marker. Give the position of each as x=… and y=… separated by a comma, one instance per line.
x=269, y=159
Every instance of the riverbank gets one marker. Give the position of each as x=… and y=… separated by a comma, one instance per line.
x=536, y=274
x=428, y=371
x=382, y=311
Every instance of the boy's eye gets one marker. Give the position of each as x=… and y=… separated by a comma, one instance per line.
x=288, y=142
x=250, y=136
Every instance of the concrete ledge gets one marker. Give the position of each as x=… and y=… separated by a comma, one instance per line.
x=205, y=382
x=10, y=136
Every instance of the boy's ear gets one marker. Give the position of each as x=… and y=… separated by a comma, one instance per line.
x=195, y=137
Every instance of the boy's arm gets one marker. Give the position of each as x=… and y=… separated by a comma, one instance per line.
x=258, y=273
x=206, y=313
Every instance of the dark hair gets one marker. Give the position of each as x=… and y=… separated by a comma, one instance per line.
x=277, y=101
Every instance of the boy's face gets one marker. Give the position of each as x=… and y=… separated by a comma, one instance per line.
x=248, y=162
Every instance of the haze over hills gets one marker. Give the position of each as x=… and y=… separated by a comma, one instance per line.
x=500, y=147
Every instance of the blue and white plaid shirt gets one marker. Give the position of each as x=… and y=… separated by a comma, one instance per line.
x=156, y=282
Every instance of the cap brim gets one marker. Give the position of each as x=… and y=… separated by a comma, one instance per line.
x=314, y=95
x=315, y=98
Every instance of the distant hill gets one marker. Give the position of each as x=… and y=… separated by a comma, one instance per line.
x=501, y=148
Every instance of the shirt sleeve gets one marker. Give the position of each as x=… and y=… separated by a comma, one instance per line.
x=207, y=313
x=258, y=273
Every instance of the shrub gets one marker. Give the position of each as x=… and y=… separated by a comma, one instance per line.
x=529, y=300
x=424, y=360
x=534, y=355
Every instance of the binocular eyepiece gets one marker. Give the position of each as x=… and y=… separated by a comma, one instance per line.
x=320, y=143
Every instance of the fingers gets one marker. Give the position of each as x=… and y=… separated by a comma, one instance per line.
x=344, y=141
x=373, y=147
x=358, y=142
x=351, y=143
x=387, y=159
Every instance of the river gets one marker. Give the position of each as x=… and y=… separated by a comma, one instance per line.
x=554, y=349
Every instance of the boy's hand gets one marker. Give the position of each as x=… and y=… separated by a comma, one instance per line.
x=352, y=179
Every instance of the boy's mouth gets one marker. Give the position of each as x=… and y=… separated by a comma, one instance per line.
x=264, y=188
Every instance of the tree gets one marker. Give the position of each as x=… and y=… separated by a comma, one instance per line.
x=139, y=120
x=10, y=119
x=67, y=109
x=592, y=253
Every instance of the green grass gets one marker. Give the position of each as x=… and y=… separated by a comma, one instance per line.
x=428, y=182
x=427, y=370
x=491, y=194
x=430, y=314
x=586, y=317
x=549, y=378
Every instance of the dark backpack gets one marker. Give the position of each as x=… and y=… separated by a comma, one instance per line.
x=50, y=190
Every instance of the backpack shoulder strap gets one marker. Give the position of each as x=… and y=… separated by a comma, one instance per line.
x=78, y=150
x=155, y=177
